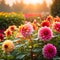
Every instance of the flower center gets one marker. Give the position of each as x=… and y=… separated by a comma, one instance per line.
x=8, y=32
x=6, y=46
x=25, y=29
x=50, y=50
x=45, y=33
x=12, y=28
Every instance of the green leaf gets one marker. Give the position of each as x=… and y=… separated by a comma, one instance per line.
x=21, y=56
x=56, y=58
x=36, y=50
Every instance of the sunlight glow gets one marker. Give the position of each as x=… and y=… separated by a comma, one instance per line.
x=33, y=1
x=48, y=2
x=10, y=2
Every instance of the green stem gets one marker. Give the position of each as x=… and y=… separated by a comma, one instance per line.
x=6, y=56
x=31, y=53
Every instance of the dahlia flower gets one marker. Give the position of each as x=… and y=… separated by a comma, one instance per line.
x=57, y=19
x=8, y=46
x=45, y=33
x=45, y=23
x=49, y=51
x=8, y=33
x=26, y=30
x=12, y=28
x=56, y=26
x=34, y=26
x=49, y=18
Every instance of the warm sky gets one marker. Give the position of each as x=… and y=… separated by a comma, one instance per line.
x=10, y=2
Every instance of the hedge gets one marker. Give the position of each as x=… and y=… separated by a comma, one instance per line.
x=7, y=19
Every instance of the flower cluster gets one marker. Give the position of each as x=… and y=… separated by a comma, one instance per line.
x=30, y=36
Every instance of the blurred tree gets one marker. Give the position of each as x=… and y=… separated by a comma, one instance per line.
x=30, y=8
x=18, y=6
x=38, y=8
x=4, y=7
x=55, y=8
x=45, y=8
x=22, y=7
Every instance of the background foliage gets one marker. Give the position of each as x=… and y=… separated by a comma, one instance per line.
x=7, y=19
x=55, y=8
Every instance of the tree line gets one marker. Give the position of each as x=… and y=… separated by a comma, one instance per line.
x=22, y=7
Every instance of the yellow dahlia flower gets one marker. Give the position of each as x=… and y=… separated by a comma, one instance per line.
x=7, y=46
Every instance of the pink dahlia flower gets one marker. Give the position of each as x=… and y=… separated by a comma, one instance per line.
x=45, y=33
x=56, y=26
x=49, y=51
x=26, y=30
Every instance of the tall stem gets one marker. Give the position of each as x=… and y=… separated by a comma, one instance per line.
x=31, y=52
